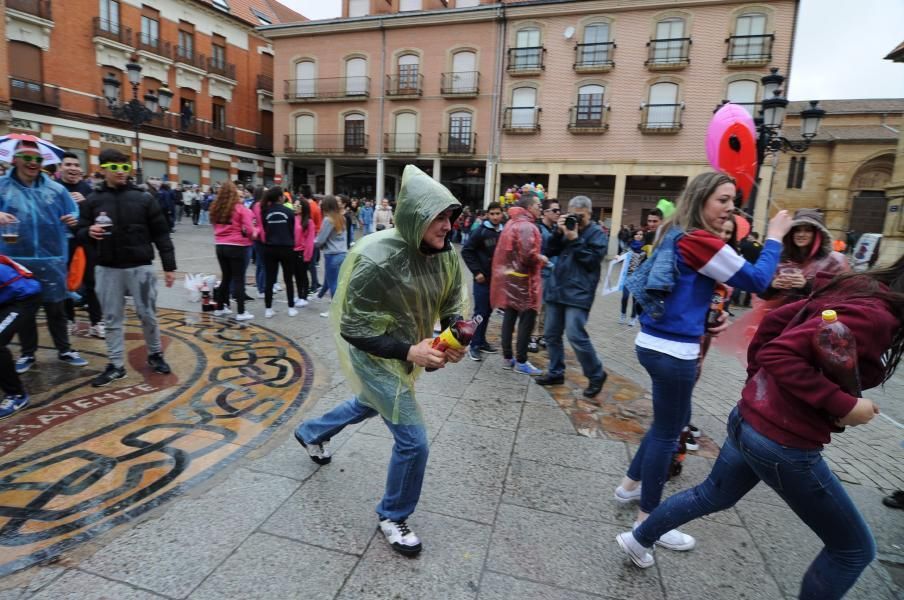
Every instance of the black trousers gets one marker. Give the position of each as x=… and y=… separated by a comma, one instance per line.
x=232, y=266
x=301, y=275
x=195, y=212
x=12, y=317
x=525, y=321
x=56, y=324
x=274, y=258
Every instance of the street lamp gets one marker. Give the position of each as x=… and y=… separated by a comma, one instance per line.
x=133, y=110
x=769, y=123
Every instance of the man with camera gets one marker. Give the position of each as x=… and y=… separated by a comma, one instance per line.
x=579, y=245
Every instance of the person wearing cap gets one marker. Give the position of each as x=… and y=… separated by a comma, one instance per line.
x=393, y=286
x=45, y=212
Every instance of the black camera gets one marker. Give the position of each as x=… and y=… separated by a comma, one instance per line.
x=571, y=222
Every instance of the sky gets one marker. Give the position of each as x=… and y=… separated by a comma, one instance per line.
x=838, y=52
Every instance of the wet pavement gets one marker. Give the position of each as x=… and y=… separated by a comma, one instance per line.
x=192, y=486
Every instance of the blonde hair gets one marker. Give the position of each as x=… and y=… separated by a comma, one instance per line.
x=688, y=214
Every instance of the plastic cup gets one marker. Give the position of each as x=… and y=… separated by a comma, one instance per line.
x=9, y=232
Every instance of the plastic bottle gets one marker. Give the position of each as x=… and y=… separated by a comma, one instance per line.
x=717, y=304
x=458, y=334
x=104, y=221
x=836, y=351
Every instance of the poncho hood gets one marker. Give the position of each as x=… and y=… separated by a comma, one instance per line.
x=421, y=199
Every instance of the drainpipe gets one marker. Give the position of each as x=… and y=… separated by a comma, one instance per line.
x=381, y=169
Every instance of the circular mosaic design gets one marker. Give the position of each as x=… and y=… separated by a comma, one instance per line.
x=80, y=460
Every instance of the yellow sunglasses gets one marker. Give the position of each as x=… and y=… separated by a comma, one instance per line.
x=124, y=167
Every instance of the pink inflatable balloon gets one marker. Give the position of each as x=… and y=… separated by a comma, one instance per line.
x=724, y=118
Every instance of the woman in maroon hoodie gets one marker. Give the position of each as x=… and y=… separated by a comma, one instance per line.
x=788, y=410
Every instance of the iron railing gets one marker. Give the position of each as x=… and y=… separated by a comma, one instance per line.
x=402, y=143
x=661, y=118
x=326, y=143
x=458, y=143
x=594, y=56
x=327, y=88
x=588, y=118
x=188, y=56
x=220, y=67
x=223, y=133
x=463, y=83
x=155, y=45
x=522, y=60
x=521, y=119
x=33, y=92
x=668, y=52
x=745, y=49
x=265, y=82
x=405, y=85
x=37, y=8
x=112, y=30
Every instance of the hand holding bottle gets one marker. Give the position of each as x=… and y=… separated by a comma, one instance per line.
x=423, y=354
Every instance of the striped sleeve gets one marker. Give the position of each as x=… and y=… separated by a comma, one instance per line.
x=707, y=254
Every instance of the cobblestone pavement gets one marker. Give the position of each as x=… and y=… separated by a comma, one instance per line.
x=516, y=504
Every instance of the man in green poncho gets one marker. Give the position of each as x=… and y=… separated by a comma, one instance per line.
x=393, y=286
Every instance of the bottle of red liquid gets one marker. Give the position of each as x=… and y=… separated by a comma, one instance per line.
x=717, y=304
x=836, y=350
x=458, y=334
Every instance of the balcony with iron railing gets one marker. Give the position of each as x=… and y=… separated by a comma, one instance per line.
x=661, y=118
x=402, y=143
x=326, y=143
x=526, y=61
x=405, y=86
x=222, y=133
x=221, y=67
x=191, y=126
x=327, y=89
x=594, y=58
x=188, y=56
x=113, y=31
x=749, y=50
x=155, y=45
x=265, y=83
x=36, y=8
x=265, y=142
x=163, y=121
x=589, y=119
x=460, y=84
x=463, y=144
x=33, y=92
x=521, y=119
x=668, y=54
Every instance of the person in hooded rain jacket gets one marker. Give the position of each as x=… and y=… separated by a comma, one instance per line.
x=393, y=286
x=516, y=284
x=45, y=212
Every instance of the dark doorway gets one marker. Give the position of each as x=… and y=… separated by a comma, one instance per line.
x=868, y=212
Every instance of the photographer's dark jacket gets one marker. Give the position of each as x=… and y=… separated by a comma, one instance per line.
x=138, y=223
x=577, y=269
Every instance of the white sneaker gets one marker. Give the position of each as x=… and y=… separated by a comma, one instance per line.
x=319, y=453
x=245, y=316
x=400, y=537
x=277, y=287
x=621, y=318
x=674, y=540
x=632, y=322
x=325, y=315
x=98, y=331
x=301, y=303
x=292, y=312
x=71, y=326
x=624, y=496
x=222, y=312
x=269, y=313
x=639, y=555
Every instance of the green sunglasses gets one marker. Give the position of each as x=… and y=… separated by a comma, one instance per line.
x=124, y=167
x=31, y=158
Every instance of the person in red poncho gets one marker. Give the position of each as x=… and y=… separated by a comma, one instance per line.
x=516, y=287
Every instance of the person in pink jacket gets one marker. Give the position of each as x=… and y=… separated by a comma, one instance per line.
x=305, y=231
x=234, y=230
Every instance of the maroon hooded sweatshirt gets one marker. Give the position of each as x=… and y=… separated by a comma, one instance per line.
x=787, y=397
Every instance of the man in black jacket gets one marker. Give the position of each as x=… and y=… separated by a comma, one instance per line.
x=125, y=255
x=478, y=255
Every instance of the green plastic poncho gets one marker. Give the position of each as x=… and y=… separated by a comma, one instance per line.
x=388, y=285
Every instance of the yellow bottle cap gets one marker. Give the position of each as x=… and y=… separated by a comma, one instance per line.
x=829, y=316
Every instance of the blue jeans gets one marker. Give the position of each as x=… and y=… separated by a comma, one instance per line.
x=482, y=308
x=331, y=264
x=573, y=322
x=805, y=483
x=406, y=466
x=260, y=274
x=673, y=386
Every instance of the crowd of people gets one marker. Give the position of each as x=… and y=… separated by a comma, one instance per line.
x=393, y=273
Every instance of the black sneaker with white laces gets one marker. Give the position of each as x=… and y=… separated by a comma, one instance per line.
x=319, y=453
x=400, y=537
x=110, y=374
x=157, y=363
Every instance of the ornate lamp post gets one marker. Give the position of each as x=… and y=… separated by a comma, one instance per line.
x=769, y=137
x=133, y=110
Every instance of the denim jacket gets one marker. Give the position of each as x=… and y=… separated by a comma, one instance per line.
x=654, y=279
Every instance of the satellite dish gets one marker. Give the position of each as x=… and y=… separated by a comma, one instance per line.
x=569, y=33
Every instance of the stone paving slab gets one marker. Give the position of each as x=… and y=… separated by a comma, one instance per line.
x=496, y=586
x=602, y=456
x=77, y=585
